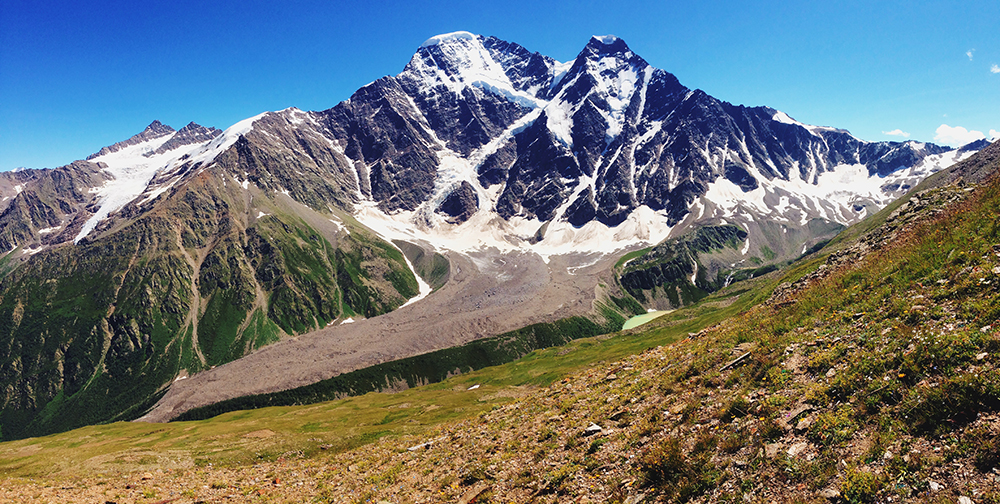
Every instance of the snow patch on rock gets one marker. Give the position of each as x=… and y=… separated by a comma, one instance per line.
x=134, y=166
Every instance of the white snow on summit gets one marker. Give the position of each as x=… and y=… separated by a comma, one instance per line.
x=605, y=39
x=445, y=37
x=474, y=66
x=616, y=81
x=782, y=117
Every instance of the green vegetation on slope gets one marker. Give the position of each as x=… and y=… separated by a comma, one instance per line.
x=72, y=338
x=893, y=351
x=433, y=268
x=93, y=332
x=666, y=270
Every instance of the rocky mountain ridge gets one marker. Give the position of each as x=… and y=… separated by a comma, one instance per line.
x=602, y=146
x=608, y=139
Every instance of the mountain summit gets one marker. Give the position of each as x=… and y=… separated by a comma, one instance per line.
x=605, y=141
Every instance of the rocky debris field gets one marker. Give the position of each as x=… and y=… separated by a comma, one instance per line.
x=490, y=292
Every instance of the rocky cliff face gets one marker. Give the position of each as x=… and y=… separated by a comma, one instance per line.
x=43, y=207
x=599, y=137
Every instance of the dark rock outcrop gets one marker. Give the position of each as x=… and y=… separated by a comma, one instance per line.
x=190, y=134
x=156, y=129
x=460, y=203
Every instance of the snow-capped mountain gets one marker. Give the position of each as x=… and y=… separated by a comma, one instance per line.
x=500, y=177
x=606, y=150
x=480, y=142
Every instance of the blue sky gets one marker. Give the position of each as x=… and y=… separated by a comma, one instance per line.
x=75, y=76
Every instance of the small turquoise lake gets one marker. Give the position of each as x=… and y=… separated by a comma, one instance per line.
x=638, y=320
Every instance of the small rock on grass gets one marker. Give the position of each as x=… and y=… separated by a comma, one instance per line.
x=772, y=450
x=474, y=492
x=803, y=424
x=797, y=448
x=592, y=429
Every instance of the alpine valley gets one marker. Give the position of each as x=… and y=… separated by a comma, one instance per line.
x=486, y=195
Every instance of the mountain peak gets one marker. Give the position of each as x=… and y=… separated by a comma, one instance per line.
x=192, y=126
x=607, y=44
x=191, y=134
x=156, y=129
x=457, y=60
x=601, y=47
x=605, y=39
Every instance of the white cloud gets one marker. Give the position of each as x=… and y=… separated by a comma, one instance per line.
x=957, y=136
x=897, y=132
x=994, y=135
x=995, y=68
x=969, y=53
